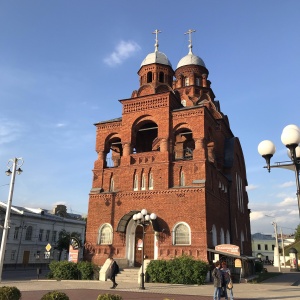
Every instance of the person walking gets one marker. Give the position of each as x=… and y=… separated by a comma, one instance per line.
x=217, y=277
x=113, y=271
x=227, y=282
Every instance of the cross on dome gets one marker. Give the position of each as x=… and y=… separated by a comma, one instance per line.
x=156, y=32
x=189, y=32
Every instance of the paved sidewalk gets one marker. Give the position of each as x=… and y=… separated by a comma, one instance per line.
x=285, y=286
x=281, y=288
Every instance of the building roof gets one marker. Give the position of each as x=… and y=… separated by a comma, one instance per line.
x=38, y=212
x=261, y=236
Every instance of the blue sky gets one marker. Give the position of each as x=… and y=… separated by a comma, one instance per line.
x=65, y=64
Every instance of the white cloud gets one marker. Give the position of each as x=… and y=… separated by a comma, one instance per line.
x=61, y=125
x=122, y=51
x=288, y=202
x=251, y=187
x=9, y=131
x=256, y=215
x=287, y=184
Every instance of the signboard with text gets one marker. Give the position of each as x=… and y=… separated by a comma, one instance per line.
x=228, y=248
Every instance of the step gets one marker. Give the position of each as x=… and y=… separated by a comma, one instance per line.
x=128, y=275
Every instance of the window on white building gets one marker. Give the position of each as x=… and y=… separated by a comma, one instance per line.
x=28, y=235
x=16, y=233
x=47, y=236
x=13, y=255
x=54, y=232
x=41, y=234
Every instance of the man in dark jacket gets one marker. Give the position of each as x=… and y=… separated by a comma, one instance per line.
x=113, y=272
x=217, y=276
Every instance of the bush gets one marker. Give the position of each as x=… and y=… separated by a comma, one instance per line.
x=64, y=270
x=55, y=295
x=86, y=270
x=158, y=271
x=9, y=293
x=180, y=270
x=109, y=297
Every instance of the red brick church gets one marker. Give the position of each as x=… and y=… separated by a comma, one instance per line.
x=172, y=152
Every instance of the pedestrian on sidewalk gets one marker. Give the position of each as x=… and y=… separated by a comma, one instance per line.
x=113, y=271
x=217, y=277
x=227, y=282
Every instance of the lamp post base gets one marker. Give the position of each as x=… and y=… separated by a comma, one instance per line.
x=142, y=286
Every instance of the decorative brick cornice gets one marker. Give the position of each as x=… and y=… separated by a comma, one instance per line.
x=109, y=126
x=180, y=193
x=188, y=113
x=142, y=105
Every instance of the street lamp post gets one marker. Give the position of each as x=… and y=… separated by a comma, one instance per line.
x=12, y=164
x=290, y=137
x=277, y=245
x=143, y=219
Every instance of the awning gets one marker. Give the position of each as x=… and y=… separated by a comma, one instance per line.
x=124, y=221
x=126, y=218
x=244, y=257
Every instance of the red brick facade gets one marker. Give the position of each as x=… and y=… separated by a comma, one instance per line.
x=173, y=153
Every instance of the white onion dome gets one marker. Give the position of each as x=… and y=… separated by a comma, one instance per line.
x=156, y=57
x=191, y=59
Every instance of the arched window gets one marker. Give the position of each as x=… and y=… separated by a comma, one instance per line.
x=182, y=179
x=150, y=181
x=145, y=137
x=181, y=234
x=136, y=183
x=214, y=235
x=184, y=144
x=28, y=235
x=197, y=81
x=161, y=77
x=143, y=184
x=112, y=185
x=227, y=237
x=105, y=235
x=242, y=242
x=113, y=152
x=222, y=237
x=149, y=77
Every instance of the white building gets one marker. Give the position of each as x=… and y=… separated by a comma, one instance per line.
x=264, y=247
x=32, y=229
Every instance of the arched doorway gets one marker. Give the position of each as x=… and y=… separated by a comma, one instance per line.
x=148, y=244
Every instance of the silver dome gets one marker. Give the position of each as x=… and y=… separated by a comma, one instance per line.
x=156, y=58
x=191, y=59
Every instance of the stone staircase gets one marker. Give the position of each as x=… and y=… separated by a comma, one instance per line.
x=128, y=275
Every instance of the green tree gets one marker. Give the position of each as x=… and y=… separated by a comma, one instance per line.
x=297, y=233
x=63, y=242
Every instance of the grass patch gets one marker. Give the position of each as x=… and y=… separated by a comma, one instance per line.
x=264, y=276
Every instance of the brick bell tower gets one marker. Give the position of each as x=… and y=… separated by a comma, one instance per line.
x=173, y=153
